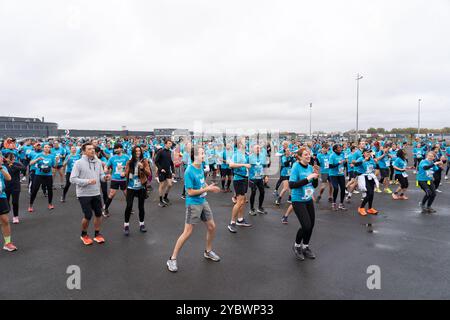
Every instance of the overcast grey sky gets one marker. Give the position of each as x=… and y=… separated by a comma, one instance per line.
x=235, y=63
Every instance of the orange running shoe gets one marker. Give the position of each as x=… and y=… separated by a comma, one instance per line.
x=99, y=239
x=395, y=197
x=362, y=212
x=372, y=211
x=86, y=240
x=405, y=197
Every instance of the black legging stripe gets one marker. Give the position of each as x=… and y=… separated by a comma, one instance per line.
x=140, y=194
x=338, y=182
x=256, y=185
x=430, y=192
x=306, y=216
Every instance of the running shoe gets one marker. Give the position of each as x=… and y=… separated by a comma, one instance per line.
x=105, y=213
x=362, y=212
x=172, y=265
x=378, y=190
x=252, y=212
x=388, y=191
x=275, y=194
x=211, y=255
x=162, y=204
x=261, y=210
x=142, y=228
x=15, y=220
x=10, y=247
x=86, y=240
x=232, y=228
x=183, y=197
x=298, y=252
x=99, y=239
x=446, y=178
x=395, y=196
x=277, y=202
x=355, y=192
x=438, y=191
x=284, y=220
x=330, y=200
x=51, y=207
x=431, y=210
x=166, y=201
x=243, y=223
x=126, y=231
x=372, y=211
x=334, y=207
x=342, y=207
x=30, y=209
x=308, y=253
x=63, y=199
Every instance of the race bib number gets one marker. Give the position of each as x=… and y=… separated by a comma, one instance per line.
x=341, y=170
x=429, y=173
x=309, y=192
x=119, y=168
x=326, y=164
x=388, y=163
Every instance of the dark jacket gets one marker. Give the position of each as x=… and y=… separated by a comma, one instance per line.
x=163, y=160
x=14, y=170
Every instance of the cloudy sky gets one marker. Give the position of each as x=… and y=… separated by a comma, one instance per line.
x=231, y=64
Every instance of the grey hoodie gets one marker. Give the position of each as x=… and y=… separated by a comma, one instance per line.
x=84, y=170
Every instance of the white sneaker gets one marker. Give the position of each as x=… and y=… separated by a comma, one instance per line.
x=446, y=178
x=414, y=172
x=15, y=220
x=438, y=191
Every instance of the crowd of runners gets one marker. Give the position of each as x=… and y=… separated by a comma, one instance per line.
x=306, y=172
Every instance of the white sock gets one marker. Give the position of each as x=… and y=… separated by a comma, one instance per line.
x=141, y=223
x=126, y=224
x=233, y=222
x=298, y=245
x=304, y=246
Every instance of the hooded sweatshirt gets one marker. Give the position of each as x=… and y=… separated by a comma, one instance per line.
x=84, y=170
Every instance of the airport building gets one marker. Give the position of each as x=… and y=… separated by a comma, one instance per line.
x=27, y=127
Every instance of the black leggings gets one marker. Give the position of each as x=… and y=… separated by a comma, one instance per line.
x=31, y=177
x=67, y=186
x=140, y=194
x=15, y=195
x=47, y=182
x=417, y=162
x=256, y=185
x=338, y=182
x=370, y=187
x=306, y=216
x=391, y=173
x=430, y=193
x=448, y=169
x=437, y=178
x=104, y=187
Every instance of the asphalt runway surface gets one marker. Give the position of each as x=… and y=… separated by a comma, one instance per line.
x=411, y=249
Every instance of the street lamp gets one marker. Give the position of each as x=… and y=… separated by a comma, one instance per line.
x=418, y=117
x=310, y=120
x=358, y=77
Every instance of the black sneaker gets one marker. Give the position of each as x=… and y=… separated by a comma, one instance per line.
x=166, y=201
x=308, y=253
x=261, y=210
x=232, y=228
x=63, y=199
x=162, y=204
x=431, y=210
x=243, y=223
x=330, y=200
x=298, y=253
x=142, y=228
x=105, y=213
x=277, y=202
x=126, y=231
x=252, y=212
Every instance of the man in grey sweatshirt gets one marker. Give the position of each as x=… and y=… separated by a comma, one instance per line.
x=87, y=173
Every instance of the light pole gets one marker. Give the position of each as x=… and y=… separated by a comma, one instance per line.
x=310, y=120
x=418, y=117
x=358, y=77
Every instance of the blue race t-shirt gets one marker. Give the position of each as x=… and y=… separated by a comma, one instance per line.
x=305, y=193
x=71, y=159
x=118, y=163
x=426, y=175
x=257, y=169
x=2, y=185
x=399, y=163
x=44, y=166
x=240, y=173
x=334, y=160
x=194, y=178
x=324, y=162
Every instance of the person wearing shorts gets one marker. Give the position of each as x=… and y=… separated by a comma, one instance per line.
x=166, y=167
x=240, y=165
x=4, y=209
x=116, y=164
x=87, y=174
x=197, y=209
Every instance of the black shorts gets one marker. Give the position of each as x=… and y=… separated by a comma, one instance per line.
x=384, y=173
x=240, y=187
x=212, y=167
x=226, y=172
x=118, y=185
x=91, y=205
x=163, y=176
x=404, y=183
x=284, y=178
x=58, y=167
x=4, y=206
x=352, y=174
